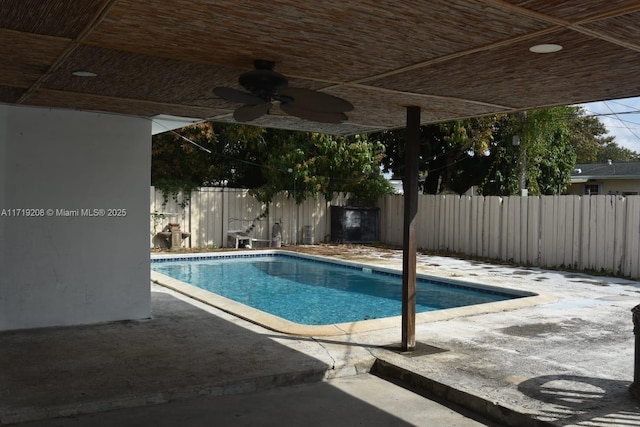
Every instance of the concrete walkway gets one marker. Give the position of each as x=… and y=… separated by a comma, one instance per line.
x=569, y=362
x=347, y=401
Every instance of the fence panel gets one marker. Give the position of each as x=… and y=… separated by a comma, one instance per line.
x=573, y=252
x=449, y=220
x=609, y=234
x=439, y=232
x=493, y=211
x=585, y=203
x=533, y=231
x=205, y=211
x=632, y=246
x=424, y=224
x=455, y=224
x=464, y=245
x=595, y=207
x=619, y=234
x=599, y=227
x=509, y=230
x=548, y=241
x=522, y=230
x=429, y=224
x=477, y=230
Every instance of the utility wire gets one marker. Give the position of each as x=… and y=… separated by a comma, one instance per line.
x=183, y=137
x=621, y=121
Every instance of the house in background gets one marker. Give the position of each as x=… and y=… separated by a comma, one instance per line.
x=605, y=178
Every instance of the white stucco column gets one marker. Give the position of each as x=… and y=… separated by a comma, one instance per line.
x=74, y=220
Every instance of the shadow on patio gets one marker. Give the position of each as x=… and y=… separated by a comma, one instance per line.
x=182, y=352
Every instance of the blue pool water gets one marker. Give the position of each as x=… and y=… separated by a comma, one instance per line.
x=317, y=293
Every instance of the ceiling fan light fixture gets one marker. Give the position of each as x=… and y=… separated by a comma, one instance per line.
x=545, y=48
x=84, y=73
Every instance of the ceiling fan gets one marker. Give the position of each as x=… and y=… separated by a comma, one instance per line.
x=265, y=86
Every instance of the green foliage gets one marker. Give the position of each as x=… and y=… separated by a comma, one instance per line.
x=588, y=136
x=173, y=188
x=452, y=155
x=591, y=143
x=268, y=161
x=550, y=156
x=612, y=151
x=312, y=164
x=542, y=162
x=179, y=165
x=457, y=155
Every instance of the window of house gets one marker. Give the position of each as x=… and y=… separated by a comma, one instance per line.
x=592, y=189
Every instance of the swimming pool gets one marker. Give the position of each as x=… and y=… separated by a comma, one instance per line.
x=308, y=290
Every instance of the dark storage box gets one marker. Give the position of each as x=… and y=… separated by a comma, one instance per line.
x=354, y=225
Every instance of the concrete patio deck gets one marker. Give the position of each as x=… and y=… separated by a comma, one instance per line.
x=568, y=362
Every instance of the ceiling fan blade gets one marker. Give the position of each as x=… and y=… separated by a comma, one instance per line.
x=247, y=113
x=334, y=117
x=235, y=95
x=308, y=99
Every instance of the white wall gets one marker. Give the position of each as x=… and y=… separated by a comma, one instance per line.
x=58, y=270
x=609, y=186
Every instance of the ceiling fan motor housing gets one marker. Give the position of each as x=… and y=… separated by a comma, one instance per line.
x=264, y=83
x=265, y=86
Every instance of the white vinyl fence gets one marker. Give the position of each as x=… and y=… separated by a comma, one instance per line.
x=213, y=212
x=598, y=233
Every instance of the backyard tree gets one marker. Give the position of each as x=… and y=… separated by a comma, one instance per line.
x=452, y=154
x=457, y=155
x=311, y=164
x=533, y=150
x=206, y=155
x=612, y=151
x=592, y=144
x=588, y=136
x=268, y=161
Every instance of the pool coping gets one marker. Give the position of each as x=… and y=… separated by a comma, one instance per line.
x=279, y=324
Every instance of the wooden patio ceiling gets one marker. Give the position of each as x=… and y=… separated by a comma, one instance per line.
x=452, y=58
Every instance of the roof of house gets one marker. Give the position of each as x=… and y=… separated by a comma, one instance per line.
x=453, y=58
x=613, y=170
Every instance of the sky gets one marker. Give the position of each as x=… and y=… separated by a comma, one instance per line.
x=624, y=126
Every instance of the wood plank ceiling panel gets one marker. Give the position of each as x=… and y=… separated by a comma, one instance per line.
x=331, y=40
x=26, y=57
x=60, y=18
x=515, y=77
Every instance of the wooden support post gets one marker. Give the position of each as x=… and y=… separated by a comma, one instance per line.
x=409, y=245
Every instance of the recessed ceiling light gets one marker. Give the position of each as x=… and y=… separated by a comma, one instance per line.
x=545, y=48
x=81, y=73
